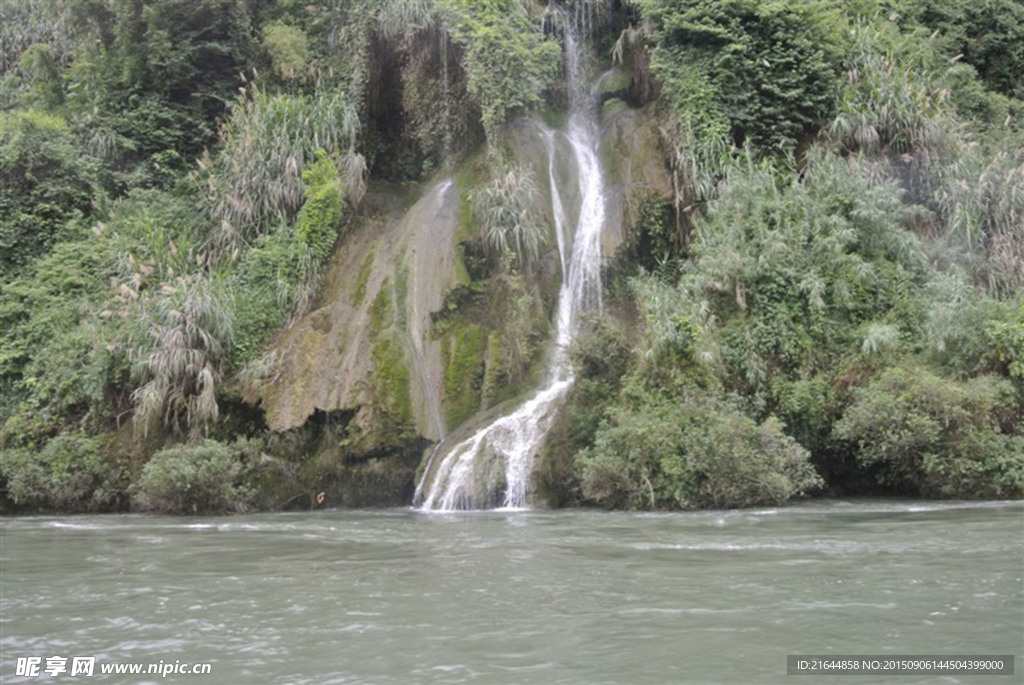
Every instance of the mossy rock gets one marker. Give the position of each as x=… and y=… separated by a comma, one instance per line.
x=612, y=107
x=613, y=82
x=464, y=353
x=391, y=381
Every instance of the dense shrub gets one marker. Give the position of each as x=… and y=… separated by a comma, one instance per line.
x=988, y=35
x=507, y=60
x=288, y=48
x=746, y=70
x=150, y=79
x=267, y=143
x=70, y=473
x=278, y=276
x=693, y=453
x=924, y=434
x=45, y=181
x=207, y=478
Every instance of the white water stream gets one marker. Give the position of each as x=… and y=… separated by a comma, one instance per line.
x=492, y=468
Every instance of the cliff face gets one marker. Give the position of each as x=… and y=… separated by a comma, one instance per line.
x=406, y=343
x=368, y=343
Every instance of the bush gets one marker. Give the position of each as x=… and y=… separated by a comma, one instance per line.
x=697, y=453
x=193, y=479
x=746, y=70
x=323, y=213
x=507, y=62
x=600, y=357
x=69, y=474
x=920, y=433
x=279, y=275
x=45, y=181
x=267, y=144
x=288, y=48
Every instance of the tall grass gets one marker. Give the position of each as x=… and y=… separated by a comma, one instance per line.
x=981, y=200
x=257, y=177
x=403, y=18
x=890, y=105
x=24, y=23
x=189, y=333
x=508, y=209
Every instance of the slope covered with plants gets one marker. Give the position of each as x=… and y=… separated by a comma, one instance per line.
x=830, y=299
x=840, y=272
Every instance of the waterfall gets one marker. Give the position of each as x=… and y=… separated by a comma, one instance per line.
x=418, y=318
x=492, y=467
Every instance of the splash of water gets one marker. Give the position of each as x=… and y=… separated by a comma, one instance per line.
x=492, y=468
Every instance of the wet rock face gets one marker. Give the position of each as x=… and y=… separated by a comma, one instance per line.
x=368, y=343
x=633, y=161
x=370, y=348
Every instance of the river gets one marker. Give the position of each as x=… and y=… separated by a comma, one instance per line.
x=401, y=596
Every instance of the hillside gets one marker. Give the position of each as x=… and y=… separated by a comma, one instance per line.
x=261, y=254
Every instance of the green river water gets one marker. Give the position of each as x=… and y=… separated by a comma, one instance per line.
x=516, y=597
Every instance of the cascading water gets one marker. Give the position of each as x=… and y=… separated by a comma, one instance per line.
x=492, y=467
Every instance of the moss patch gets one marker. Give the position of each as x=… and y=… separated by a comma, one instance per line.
x=553, y=118
x=381, y=311
x=464, y=352
x=472, y=173
x=402, y=289
x=611, y=107
x=391, y=381
x=364, y=278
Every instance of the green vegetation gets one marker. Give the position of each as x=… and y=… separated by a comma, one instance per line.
x=692, y=454
x=206, y=478
x=464, y=353
x=44, y=185
x=508, y=210
x=842, y=285
x=936, y=436
x=746, y=70
x=831, y=298
x=507, y=60
x=72, y=473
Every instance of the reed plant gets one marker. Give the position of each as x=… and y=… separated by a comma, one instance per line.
x=509, y=211
x=180, y=365
x=269, y=140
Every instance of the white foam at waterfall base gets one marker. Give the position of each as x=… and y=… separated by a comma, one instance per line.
x=497, y=460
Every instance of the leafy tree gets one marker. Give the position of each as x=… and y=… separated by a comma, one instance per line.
x=507, y=61
x=987, y=35
x=750, y=71
x=46, y=181
x=155, y=78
